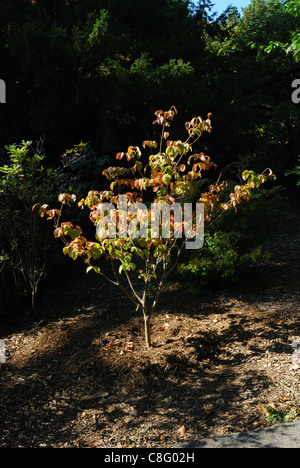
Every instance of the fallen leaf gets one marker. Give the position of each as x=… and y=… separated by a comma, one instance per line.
x=209, y=408
x=225, y=429
x=262, y=408
x=181, y=433
x=164, y=327
x=130, y=346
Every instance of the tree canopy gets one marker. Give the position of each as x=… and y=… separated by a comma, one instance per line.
x=97, y=70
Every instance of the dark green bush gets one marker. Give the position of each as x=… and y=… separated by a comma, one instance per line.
x=295, y=172
x=24, y=240
x=256, y=220
x=220, y=259
x=235, y=241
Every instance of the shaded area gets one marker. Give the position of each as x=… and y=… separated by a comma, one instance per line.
x=217, y=362
x=72, y=382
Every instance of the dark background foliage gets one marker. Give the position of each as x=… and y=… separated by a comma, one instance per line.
x=97, y=70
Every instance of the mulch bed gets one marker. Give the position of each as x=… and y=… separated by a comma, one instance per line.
x=81, y=377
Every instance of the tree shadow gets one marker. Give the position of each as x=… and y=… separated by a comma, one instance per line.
x=43, y=401
x=74, y=390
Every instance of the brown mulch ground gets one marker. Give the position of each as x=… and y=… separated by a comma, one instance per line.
x=218, y=362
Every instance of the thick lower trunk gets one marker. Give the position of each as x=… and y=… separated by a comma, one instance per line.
x=147, y=330
x=34, y=302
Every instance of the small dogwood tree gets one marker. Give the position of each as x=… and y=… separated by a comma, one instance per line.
x=143, y=221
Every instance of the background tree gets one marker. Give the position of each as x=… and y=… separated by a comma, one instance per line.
x=108, y=66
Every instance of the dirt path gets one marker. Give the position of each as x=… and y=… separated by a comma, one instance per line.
x=220, y=364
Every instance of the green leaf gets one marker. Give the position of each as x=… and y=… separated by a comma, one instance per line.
x=93, y=267
x=245, y=175
x=172, y=151
x=112, y=185
x=139, y=165
x=166, y=179
x=72, y=232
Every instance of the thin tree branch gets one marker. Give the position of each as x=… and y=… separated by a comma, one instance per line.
x=117, y=283
x=132, y=288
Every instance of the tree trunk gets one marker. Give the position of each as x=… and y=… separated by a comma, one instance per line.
x=34, y=302
x=147, y=329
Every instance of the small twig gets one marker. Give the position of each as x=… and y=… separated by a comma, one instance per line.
x=280, y=384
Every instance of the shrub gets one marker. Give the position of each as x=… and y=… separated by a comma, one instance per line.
x=220, y=259
x=23, y=238
x=235, y=241
x=255, y=221
x=295, y=172
x=81, y=169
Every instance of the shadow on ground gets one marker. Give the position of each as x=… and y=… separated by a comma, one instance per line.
x=71, y=382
